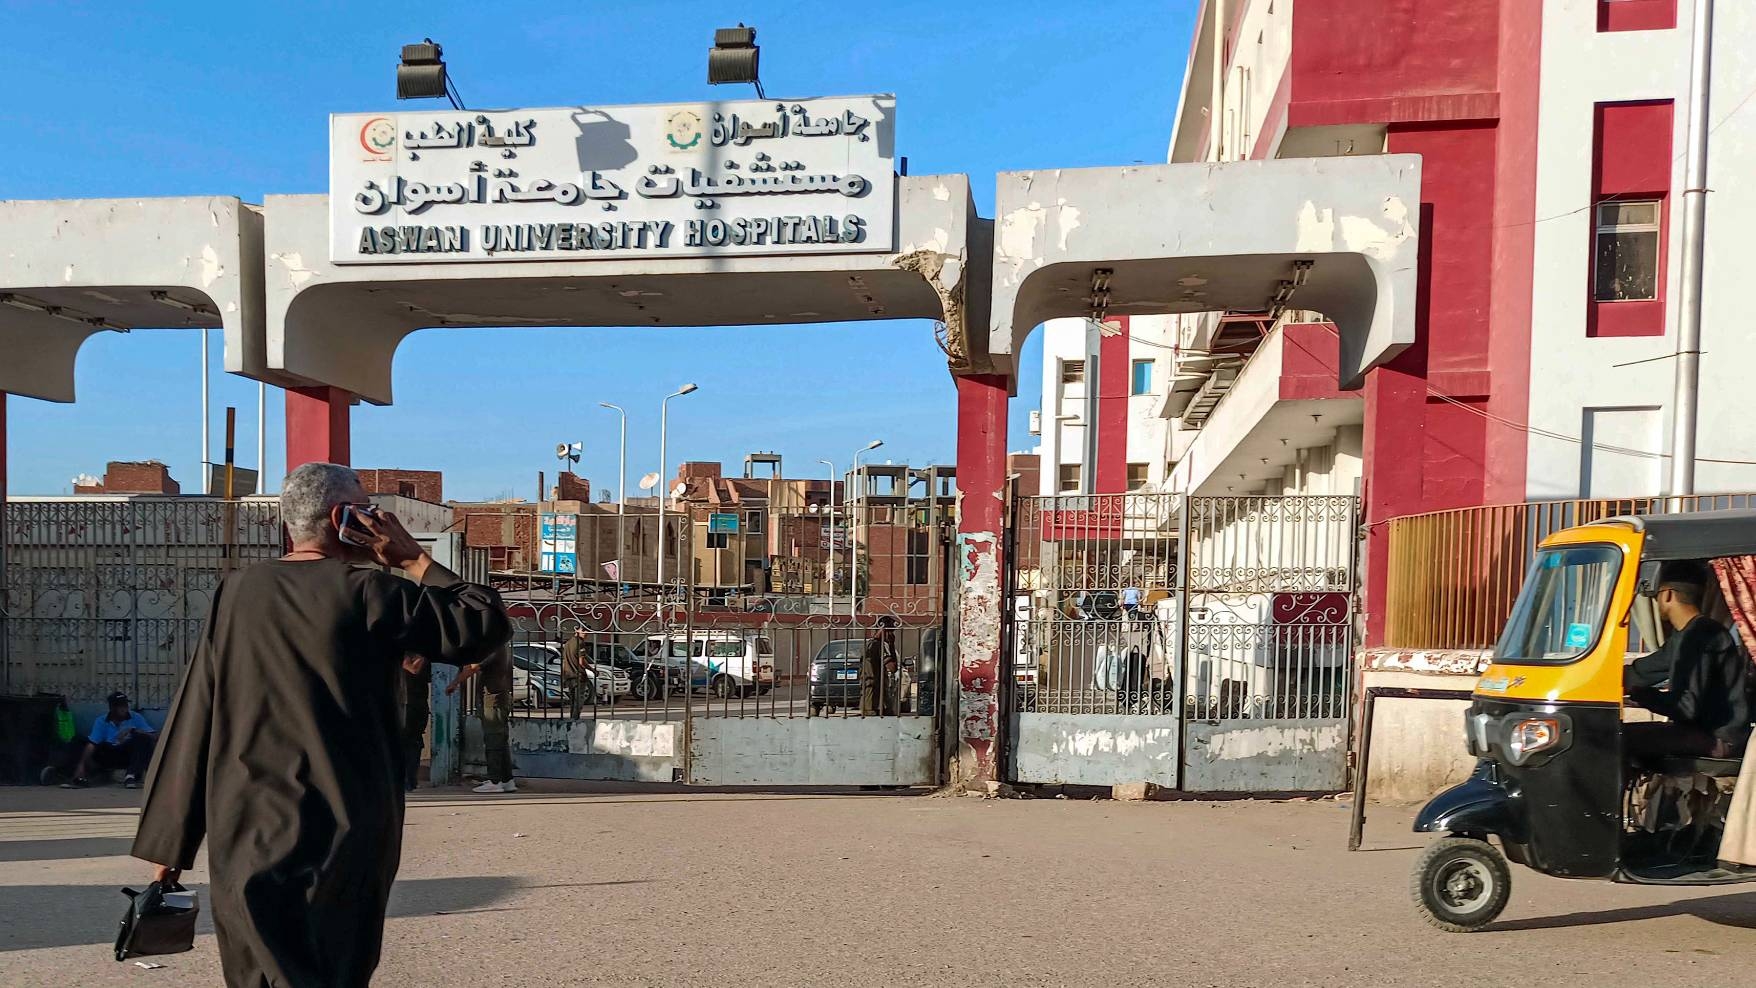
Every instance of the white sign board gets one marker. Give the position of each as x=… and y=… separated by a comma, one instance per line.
x=578, y=183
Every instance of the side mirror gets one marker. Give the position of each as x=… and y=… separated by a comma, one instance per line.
x=1646, y=583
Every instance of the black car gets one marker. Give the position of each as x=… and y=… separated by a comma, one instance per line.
x=835, y=677
x=648, y=678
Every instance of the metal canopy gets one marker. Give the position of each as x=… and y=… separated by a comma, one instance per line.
x=1696, y=534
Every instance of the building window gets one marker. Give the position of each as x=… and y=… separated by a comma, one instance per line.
x=1626, y=254
x=1142, y=379
x=1636, y=15
x=753, y=522
x=1137, y=476
x=1630, y=189
x=716, y=540
x=1072, y=372
x=918, y=547
x=1068, y=478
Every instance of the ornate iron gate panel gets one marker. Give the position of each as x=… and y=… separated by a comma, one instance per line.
x=747, y=669
x=1091, y=638
x=1202, y=643
x=105, y=595
x=1268, y=591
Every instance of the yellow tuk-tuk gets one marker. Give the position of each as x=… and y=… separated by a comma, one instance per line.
x=1546, y=723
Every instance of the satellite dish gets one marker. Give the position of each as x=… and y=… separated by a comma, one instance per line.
x=649, y=481
x=811, y=508
x=680, y=490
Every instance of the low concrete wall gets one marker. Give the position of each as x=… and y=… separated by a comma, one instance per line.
x=1096, y=749
x=1283, y=755
x=1418, y=745
x=821, y=751
x=594, y=750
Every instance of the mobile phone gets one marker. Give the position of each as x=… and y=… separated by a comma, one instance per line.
x=351, y=531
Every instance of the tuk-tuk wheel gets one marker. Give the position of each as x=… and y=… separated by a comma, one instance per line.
x=1460, y=884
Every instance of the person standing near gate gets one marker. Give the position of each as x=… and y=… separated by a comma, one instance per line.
x=417, y=684
x=282, y=751
x=577, y=669
x=877, y=665
x=496, y=708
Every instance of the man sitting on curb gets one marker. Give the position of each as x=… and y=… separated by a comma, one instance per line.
x=121, y=739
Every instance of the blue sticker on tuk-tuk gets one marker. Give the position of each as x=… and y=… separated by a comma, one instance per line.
x=1578, y=635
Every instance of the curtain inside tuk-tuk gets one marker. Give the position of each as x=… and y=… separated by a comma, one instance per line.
x=1737, y=583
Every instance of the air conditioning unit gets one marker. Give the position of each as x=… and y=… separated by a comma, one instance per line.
x=1036, y=421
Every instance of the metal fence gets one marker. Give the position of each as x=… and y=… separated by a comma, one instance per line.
x=105, y=595
x=775, y=625
x=1454, y=575
x=1093, y=620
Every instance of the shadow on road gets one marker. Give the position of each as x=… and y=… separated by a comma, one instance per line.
x=74, y=915
x=64, y=848
x=1737, y=910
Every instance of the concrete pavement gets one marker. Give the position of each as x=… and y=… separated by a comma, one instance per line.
x=576, y=884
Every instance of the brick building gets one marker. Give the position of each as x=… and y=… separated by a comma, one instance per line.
x=132, y=477
x=425, y=485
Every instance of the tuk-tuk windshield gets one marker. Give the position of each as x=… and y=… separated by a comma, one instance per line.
x=1562, y=608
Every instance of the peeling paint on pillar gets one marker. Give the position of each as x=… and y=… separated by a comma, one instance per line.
x=979, y=610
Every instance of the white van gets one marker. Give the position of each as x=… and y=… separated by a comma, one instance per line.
x=726, y=663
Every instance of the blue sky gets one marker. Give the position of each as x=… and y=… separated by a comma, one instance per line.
x=117, y=99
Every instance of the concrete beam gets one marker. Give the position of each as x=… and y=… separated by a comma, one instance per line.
x=100, y=261
x=1202, y=237
x=340, y=325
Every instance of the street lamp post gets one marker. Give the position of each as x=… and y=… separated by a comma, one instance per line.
x=664, y=492
x=829, y=563
x=621, y=491
x=854, y=535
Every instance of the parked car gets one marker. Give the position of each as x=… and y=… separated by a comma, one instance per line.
x=726, y=663
x=647, y=675
x=537, y=681
x=835, y=678
x=671, y=653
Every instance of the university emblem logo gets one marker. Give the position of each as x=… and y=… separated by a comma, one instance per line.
x=378, y=137
x=683, y=130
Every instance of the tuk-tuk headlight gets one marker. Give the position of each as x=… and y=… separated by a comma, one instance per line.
x=1530, y=736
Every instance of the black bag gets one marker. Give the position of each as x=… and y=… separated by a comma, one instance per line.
x=158, y=921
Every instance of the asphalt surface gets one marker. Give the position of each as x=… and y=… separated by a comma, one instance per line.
x=624, y=886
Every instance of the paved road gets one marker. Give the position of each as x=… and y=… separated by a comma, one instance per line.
x=669, y=887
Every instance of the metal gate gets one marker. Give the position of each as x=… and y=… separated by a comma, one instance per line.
x=106, y=594
x=1200, y=643
x=748, y=669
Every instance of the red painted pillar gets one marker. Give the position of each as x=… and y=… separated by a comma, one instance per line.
x=1115, y=381
x=981, y=521
x=317, y=426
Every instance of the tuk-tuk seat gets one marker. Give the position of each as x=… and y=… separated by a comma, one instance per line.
x=1713, y=768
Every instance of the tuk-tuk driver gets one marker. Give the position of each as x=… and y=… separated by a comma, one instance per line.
x=1698, y=679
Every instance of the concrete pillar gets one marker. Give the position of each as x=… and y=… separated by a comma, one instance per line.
x=5, y=656
x=981, y=519
x=317, y=426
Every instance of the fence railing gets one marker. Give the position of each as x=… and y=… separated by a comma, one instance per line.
x=1455, y=574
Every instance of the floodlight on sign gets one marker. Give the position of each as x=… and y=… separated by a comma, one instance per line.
x=734, y=57
x=421, y=73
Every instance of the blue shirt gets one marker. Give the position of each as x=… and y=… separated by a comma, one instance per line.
x=1131, y=597
x=104, y=730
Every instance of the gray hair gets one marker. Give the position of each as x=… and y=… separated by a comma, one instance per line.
x=309, y=492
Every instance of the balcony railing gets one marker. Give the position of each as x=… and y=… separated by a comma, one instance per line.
x=1455, y=574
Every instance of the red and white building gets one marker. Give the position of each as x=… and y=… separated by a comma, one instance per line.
x=1551, y=136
